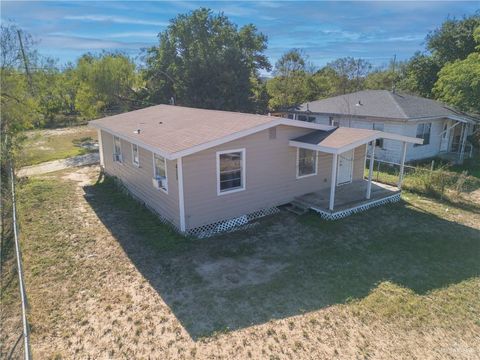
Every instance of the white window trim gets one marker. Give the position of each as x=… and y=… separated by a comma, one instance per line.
x=133, y=157
x=244, y=171
x=298, y=163
x=423, y=134
x=166, y=172
x=120, y=143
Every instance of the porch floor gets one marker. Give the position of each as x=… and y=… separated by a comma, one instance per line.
x=347, y=196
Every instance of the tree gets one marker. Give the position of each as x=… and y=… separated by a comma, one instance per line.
x=459, y=83
x=291, y=84
x=107, y=83
x=18, y=104
x=203, y=60
x=352, y=73
x=454, y=40
x=420, y=75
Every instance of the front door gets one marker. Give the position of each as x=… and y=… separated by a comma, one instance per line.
x=345, y=167
x=445, y=139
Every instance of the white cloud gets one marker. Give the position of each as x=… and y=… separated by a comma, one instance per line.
x=84, y=43
x=115, y=19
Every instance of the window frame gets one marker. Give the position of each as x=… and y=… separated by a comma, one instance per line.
x=243, y=170
x=298, y=176
x=155, y=171
x=137, y=164
x=379, y=143
x=119, y=147
x=423, y=134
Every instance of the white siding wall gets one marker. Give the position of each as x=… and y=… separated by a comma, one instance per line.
x=139, y=179
x=424, y=151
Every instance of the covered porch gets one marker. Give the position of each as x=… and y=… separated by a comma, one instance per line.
x=349, y=199
x=346, y=196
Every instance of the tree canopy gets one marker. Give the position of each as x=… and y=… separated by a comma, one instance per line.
x=204, y=60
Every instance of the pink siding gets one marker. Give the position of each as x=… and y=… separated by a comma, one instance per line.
x=270, y=177
x=139, y=179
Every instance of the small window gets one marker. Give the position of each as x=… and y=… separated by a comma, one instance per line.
x=378, y=127
x=306, y=162
x=334, y=122
x=117, y=149
x=311, y=119
x=160, y=172
x=302, y=118
x=423, y=132
x=135, y=157
x=230, y=171
x=290, y=116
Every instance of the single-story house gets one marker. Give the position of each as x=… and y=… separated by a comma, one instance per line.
x=205, y=171
x=444, y=130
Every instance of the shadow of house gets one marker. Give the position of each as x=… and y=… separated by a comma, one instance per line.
x=286, y=265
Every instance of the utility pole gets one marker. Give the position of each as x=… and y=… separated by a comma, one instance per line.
x=393, y=70
x=25, y=61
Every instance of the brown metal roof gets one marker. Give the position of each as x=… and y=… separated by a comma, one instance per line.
x=174, y=128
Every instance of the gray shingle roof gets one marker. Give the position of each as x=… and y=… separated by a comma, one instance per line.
x=380, y=103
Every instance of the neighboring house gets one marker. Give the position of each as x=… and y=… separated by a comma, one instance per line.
x=445, y=131
x=205, y=171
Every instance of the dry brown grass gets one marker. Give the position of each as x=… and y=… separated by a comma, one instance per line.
x=104, y=282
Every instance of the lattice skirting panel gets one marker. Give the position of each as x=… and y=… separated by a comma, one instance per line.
x=241, y=222
x=347, y=212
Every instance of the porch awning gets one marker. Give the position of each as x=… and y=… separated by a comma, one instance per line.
x=342, y=139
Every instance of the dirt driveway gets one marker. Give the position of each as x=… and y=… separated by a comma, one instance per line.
x=102, y=285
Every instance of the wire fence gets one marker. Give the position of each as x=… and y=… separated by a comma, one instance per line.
x=433, y=178
x=15, y=330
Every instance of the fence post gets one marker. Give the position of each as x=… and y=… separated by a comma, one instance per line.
x=378, y=169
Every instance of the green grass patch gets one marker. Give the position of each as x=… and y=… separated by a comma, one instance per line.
x=108, y=197
x=47, y=145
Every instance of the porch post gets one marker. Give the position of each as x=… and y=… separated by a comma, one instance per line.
x=402, y=165
x=370, y=170
x=333, y=182
x=100, y=147
x=464, y=140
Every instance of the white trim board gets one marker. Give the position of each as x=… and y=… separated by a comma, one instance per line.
x=297, y=163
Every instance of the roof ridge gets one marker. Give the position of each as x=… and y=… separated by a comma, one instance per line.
x=390, y=93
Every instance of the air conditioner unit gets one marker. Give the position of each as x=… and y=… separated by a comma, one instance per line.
x=117, y=157
x=159, y=182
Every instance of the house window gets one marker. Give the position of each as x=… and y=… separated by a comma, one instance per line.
x=290, y=116
x=306, y=162
x=311, y=119
x=135, y=157
x=334, y=122
x=302, y=117
x=117, y=149
x=160, y=172
x=378, y=127
x=423, y=132
x=230, y=171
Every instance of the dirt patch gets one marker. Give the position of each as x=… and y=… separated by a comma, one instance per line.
x=83, y=176
x=232, y=273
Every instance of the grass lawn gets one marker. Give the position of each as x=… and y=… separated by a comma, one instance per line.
x=105, y=278
x=47, y=145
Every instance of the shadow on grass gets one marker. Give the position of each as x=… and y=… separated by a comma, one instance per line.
x=286, y=265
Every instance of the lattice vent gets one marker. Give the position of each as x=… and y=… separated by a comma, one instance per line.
x=241, y=222
x=347, y=212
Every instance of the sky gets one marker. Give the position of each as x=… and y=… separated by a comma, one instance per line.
x=373, y=30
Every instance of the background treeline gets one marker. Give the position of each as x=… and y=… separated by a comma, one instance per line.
x=204, y=60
